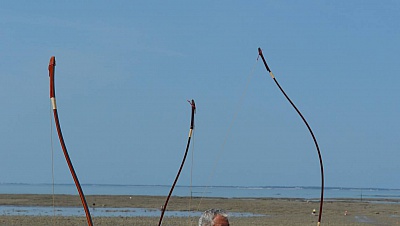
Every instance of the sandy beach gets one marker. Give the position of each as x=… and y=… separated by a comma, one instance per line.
x=275, y=211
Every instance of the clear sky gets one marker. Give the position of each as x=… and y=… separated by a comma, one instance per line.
x=125, y=70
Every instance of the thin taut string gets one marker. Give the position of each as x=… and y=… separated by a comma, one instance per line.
x=227, y=134
x=52, y=164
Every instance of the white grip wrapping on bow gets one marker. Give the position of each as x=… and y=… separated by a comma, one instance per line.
x=53, y=103
x=272, y=75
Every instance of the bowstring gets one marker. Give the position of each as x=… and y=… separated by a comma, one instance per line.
x=52, y=163
x=191, y=181
x=222, y=149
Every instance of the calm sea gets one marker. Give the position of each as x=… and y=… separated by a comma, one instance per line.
x=200, y=191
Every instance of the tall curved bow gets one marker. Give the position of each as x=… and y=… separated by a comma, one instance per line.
x=309, y=129
x=52, y=65
x=164, y=207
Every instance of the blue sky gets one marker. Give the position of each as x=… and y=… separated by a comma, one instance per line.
x=125, y=70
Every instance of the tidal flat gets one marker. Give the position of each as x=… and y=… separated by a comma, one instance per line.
x=259, y=211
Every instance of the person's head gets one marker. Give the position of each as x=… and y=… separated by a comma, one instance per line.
x=214, y=217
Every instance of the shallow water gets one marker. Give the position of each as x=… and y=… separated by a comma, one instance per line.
x=363, y=219
x=100, y=212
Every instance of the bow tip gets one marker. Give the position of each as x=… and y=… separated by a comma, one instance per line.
x=193, y=104
x=52, y=61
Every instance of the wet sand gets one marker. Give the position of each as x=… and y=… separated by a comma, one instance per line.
x=277, y=212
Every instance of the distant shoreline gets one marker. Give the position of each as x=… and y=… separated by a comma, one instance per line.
x=302, y=192
x=210, y=186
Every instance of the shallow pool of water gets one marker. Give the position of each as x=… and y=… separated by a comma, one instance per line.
x=101, y=212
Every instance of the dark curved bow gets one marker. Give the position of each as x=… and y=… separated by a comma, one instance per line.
x=309, y=129
x=52, y=65
x=164, y=207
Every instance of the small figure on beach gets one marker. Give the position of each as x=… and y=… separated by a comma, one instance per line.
x=214, y=217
